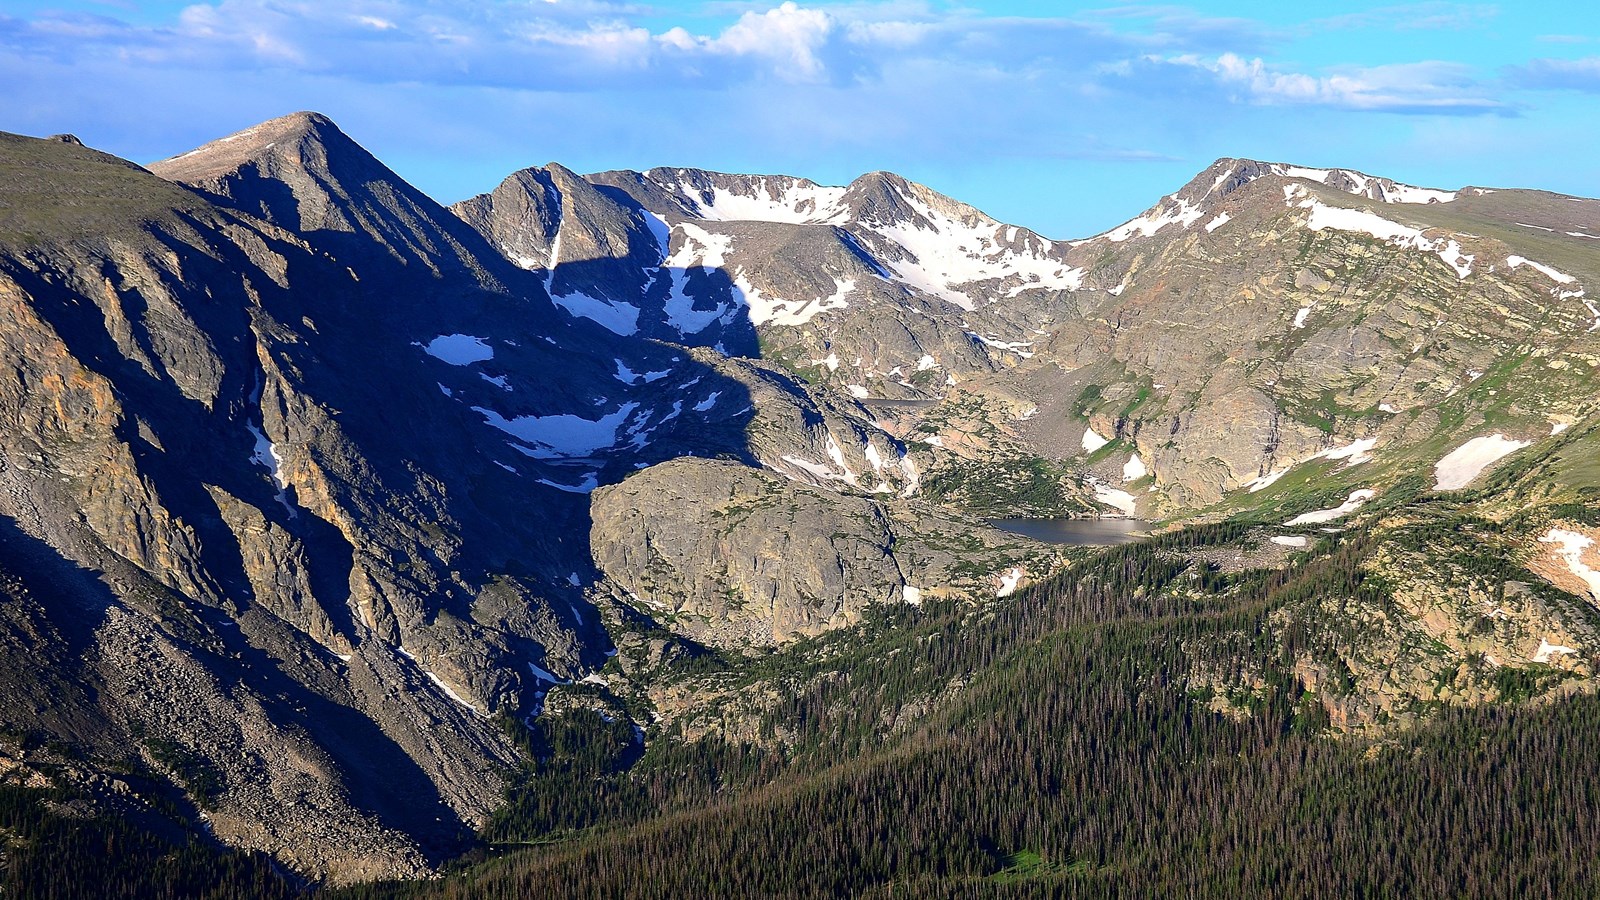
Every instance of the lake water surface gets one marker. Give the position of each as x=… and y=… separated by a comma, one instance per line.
x=1078, y=532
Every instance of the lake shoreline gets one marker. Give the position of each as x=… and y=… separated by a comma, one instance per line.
x=1108, y=531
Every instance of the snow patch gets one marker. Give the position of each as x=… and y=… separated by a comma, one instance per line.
x=618, y=318
x=874, y=459
x=1118, y=499
x=1289, y=540
x=910, y=595
x=1300, y=317
x=459, y=349
x=1460, y=466
x=561, y=436
x=587, y=486
x=1262, y=482
x=1134, y=469
x=266, y=455
x=1350, y=505
x=1171, y=211
x=1548, y=650
x=544, y=675
x=448, y=692
x=1571, y=550
x=1008, y=583
x=1357, y=452
x=1405, y=193
x=1354, y=454
x=1092, y=441
x=913, y=478
x=1455, y=259
x=816, y=469
x=1008, y=346
x=837, y=456
x=699, y=249
x=764, y=309
x=1513, y=262
x=1361, y=185
x=1360, y=221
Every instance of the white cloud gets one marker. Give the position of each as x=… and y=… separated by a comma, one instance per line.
x=789, y=35
x=612, y=44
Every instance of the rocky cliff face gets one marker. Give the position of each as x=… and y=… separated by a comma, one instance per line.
x=201, y=579
x=263, y=409
x=742, y=559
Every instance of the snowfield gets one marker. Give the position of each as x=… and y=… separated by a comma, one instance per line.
x=560, y=436
x=1461, y=465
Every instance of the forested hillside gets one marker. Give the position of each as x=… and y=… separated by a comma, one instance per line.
x=1074, y=758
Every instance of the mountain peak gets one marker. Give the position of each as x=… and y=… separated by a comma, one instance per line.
x=226, y=154
x=301, y=173
x=1197, y=199
x=1229, y=174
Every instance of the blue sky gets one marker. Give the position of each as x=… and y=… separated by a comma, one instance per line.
x=1065, y=117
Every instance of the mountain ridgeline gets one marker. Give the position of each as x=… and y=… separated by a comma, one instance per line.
x=629, y=533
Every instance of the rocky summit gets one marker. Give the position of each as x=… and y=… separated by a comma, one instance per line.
x=324, y=507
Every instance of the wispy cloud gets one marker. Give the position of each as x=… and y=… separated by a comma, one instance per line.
x=1427, y=88
x=1168, y=26
x=1430, y=16
x=1558, y=74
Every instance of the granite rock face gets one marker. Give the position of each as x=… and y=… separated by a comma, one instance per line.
x=740, y=558
x=323, y=546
